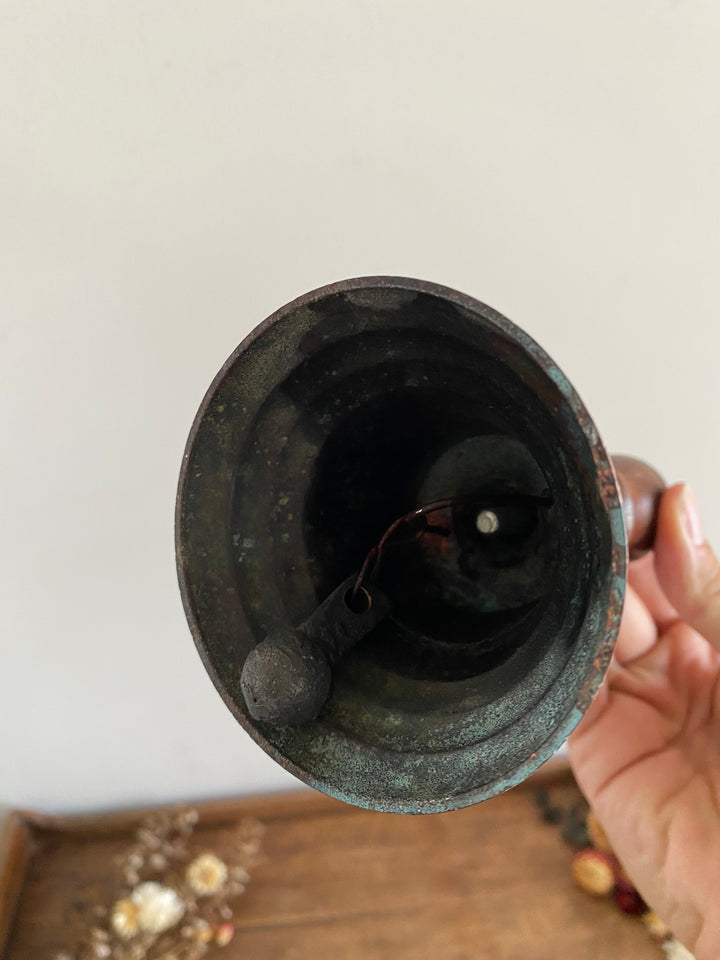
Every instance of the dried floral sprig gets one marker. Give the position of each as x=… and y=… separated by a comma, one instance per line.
x=171, y=903
x=207, y=874
x=597, y=870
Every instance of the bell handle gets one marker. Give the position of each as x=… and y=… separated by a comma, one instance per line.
x=641, y=489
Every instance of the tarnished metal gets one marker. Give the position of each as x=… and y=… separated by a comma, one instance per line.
x=288, y=677
x=346, y=409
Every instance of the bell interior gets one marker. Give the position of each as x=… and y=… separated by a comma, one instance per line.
x=343, y=414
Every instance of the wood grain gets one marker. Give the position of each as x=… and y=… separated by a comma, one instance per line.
x=488, y=883
x=15, y=852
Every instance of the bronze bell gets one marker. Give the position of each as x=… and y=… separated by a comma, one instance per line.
x=401, y=544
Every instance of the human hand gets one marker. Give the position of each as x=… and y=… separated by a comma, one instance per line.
x=647, y=753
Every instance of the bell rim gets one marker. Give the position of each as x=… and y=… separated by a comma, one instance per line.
x=607, y=488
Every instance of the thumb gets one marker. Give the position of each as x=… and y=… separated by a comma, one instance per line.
x=687, y=569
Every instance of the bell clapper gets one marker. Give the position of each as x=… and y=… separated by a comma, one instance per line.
x=287, y=678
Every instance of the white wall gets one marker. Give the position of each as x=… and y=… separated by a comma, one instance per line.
x=175, y=170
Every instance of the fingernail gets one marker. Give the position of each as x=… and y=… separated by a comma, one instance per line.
x=691, y=516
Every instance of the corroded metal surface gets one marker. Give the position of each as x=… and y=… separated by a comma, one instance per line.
x=328, y=422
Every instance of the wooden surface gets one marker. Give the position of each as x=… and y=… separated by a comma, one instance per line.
x=15, y=853
x=488, y=883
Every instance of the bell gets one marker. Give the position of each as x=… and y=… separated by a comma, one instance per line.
x=401, y=544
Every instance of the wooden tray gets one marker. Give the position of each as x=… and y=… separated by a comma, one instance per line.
x=336, y=883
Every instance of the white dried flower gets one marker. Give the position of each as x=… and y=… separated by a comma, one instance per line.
x=159, y=907
x=206, y=874
x=124, y=918
x=674, y=950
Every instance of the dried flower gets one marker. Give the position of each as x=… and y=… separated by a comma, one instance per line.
x=163, y=917
x=224, y=934
x=199, y=930
x=596, y=833
x=149, y=839
x=240, y=874
x=159, y=907
x=206, y=874
x=203, y=932
x=628, y=899
x=674, y=950
x=574, y=829
x=594, y=871
x=124, y=918
x=656, y=927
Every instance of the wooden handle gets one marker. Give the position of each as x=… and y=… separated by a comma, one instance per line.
x=641, y=488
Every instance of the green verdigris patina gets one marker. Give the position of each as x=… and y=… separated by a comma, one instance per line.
x=340, y=413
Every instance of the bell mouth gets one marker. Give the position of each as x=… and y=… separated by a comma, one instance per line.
x=345, y=410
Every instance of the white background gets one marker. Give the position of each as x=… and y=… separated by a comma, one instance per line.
x=174, y=170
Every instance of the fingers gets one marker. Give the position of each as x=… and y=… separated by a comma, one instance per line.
x=638, y=629
x=643, y=578
x=687, y=569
